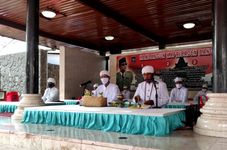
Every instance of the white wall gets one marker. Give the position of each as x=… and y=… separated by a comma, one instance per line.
x=77, y=67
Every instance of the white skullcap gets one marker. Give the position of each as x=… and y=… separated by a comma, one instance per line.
x=51, y=80
x=104, y=72
x=205, y=86
x=178, y=79
x=95, y=85
x=147, y=69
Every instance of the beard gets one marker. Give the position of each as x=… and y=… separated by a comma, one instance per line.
x=149, y=80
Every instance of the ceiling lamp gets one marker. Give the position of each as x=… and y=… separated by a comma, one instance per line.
x=109, y=38
x=48, y=13
x=189, y=25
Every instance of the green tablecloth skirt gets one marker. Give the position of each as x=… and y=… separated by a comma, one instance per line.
x=130, y=124
x=175, y=106
x=7, y=108
x=12, y=106
x=71, y=102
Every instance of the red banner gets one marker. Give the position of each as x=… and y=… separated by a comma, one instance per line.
x=193, y=64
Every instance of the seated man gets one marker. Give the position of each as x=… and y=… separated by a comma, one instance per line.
x=147, y=90
x=202, y=93
x=51, y=94
x=179, y=93
x=107, y=89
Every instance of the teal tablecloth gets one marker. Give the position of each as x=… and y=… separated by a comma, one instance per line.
x=130, y=124
x=8, y=106
x=71, y=102
x=12, y=106
x=177, y=105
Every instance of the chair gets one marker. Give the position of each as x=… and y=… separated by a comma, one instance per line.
x=2, y=95
x=12, y=96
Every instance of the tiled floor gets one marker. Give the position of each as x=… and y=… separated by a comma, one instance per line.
x=180, y=139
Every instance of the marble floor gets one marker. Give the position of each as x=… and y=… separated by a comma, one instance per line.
x=179, y=139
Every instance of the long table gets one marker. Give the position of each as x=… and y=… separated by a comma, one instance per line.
x=10, y=107
x=155, y=122
x=177, y=105
x=71, y=102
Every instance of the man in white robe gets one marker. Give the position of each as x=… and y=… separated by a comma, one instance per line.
x=179, y=94
x=51, y=94
x=107, y=89
x=147, y=90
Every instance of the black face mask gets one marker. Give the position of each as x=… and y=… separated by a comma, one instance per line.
x=50, y=85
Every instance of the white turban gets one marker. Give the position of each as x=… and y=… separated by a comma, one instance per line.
x=104, y=72
x=147, y=69
x=51, y=80
x=178, y=79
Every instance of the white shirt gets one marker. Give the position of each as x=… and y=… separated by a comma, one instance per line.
x=179, y=95
x=126, y=94
x=51, y=95
x=147, y=91
x=110, y=92
x=93, y=92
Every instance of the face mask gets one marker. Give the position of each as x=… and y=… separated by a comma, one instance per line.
x=204, y=90
x=50, y=85
x=178, y=86
x=104, y=80
x=124, y=91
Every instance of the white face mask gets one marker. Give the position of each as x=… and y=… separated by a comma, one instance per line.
x=178, y=86
x=104, y=80
x=204, y=90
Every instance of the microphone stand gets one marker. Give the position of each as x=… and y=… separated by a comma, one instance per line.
x=84, y=85
x=156, y=96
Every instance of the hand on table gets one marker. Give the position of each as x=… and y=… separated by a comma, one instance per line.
x=149, y=102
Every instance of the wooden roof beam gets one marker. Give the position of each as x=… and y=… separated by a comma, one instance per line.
x=107, y=11
x=50, y=36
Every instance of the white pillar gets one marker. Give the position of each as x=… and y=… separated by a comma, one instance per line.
x=28, y=100
x=213, y=120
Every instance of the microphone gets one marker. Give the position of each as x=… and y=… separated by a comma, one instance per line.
x=85, y=83
x=155, y=86
x=156, y=94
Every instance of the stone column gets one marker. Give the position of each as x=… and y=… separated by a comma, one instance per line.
x=213, y=121
x=31, y=98
x=42, y=71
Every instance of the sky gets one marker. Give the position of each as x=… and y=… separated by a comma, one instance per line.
x=13, y=46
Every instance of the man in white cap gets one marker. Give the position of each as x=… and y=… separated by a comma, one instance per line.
x=147, y=90
x=202, y=94
x=179, y=93
x=51, y=94
x=107, y=89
